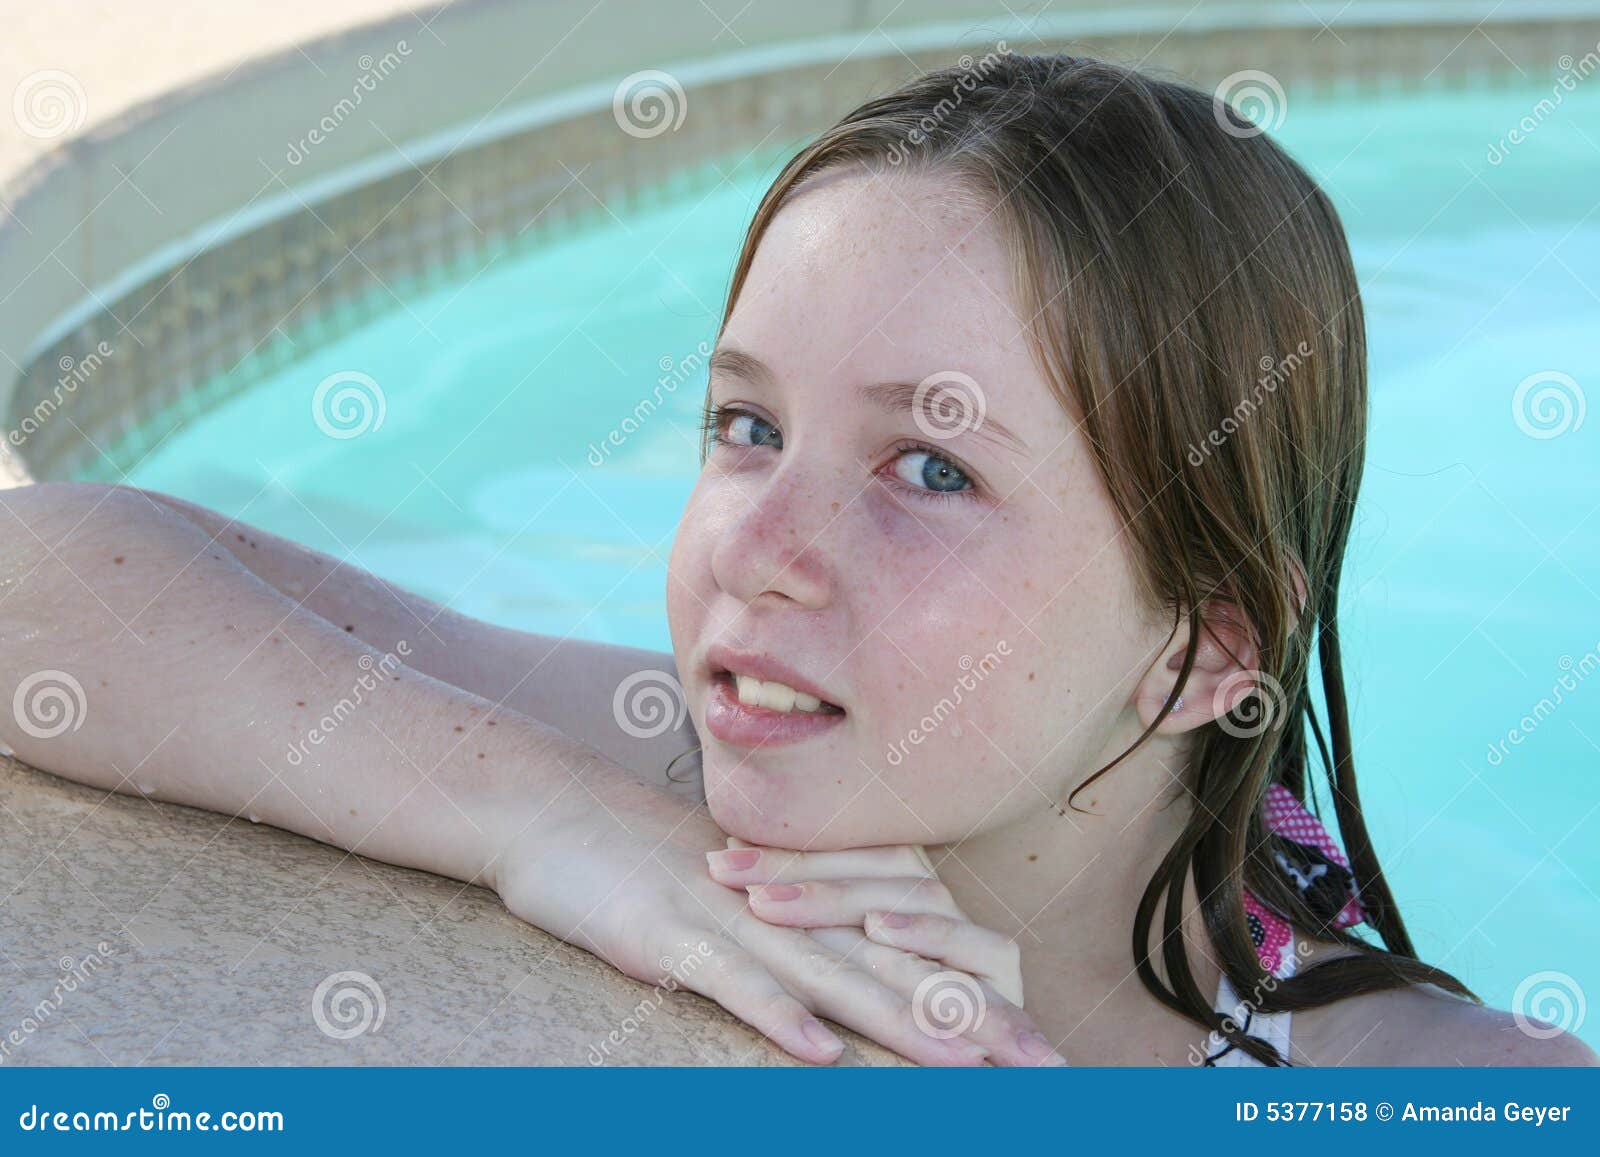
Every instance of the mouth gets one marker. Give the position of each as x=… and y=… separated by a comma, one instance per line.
x=756, y=702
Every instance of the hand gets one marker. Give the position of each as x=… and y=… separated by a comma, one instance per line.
x=885, y=910
x=639, y=897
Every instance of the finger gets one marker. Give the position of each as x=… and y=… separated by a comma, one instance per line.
x=830, y=903
x=846, y=993
x=738, y=866
x=947, y=1003
x=740, y=984
x=956, y=943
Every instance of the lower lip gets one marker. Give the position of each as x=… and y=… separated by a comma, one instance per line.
x=745, y=726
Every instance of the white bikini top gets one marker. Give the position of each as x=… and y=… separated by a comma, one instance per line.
x=1272, y=1027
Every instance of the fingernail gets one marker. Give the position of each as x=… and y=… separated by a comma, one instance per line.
x=817, y=1033
x=734, y=861
x=894, y=920
x=1036, y=1045
x=774, y=891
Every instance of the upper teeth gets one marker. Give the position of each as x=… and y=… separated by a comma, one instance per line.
x=755, y=692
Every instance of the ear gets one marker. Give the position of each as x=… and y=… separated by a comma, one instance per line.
x=1224, y=668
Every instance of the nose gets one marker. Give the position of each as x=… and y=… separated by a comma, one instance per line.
x=776, y=546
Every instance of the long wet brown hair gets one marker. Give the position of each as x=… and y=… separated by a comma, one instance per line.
x=1196, y=310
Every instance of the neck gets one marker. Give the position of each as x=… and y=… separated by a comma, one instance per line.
x=1066, y=888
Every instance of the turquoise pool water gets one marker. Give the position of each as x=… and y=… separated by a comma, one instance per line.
x=1474, y=582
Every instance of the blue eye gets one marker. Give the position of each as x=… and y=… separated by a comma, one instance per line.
x=921, y=468
x=731, y=427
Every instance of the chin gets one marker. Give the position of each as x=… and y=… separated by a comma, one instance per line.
x=795, y=824
x=805, y=821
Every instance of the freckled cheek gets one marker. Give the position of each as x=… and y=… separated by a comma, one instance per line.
x=689, y=580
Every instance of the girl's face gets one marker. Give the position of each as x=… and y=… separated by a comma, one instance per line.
x=955, y=581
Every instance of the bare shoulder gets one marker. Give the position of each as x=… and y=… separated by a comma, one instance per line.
x=1424, y=1025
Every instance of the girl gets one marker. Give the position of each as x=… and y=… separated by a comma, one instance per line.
x=1033, y=435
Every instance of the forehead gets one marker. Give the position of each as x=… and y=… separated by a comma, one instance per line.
x=884, y=276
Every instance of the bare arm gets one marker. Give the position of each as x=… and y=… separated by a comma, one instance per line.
x=186, y=674
x=567, y=683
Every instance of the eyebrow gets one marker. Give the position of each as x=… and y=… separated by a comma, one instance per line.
x=890, y=397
